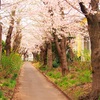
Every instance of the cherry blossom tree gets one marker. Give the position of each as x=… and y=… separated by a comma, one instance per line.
x=56, y=27
x=93, y=19
x=9, y=8
x=0, y=35
x=10, y=30
x=17, y=37
x=91, y=11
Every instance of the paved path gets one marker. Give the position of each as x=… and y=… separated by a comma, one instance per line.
x=34, y=86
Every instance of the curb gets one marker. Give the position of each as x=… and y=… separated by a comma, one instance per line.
x=54, y=85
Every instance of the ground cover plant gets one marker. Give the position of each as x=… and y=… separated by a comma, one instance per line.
x=9, y=69
x=76, y=83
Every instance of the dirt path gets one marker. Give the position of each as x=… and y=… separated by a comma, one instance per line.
x=34, y=86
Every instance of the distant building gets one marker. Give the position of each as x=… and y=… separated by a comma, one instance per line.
x=82, y=42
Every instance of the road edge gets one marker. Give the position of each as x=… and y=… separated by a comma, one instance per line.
x=53, y=83
x=17, y=82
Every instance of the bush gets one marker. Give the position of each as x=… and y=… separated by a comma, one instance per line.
x=55, y=64
x=43, y=68
x=11, y=63
x=9, y=71
x=3, y=46
x=86, y=55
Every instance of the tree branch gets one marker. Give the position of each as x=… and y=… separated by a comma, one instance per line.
x=94, y=5
x=83, y=8
x=73, y=6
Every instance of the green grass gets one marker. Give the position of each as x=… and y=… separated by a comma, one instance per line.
x=2, y=96
x=84, y=76
x=78, y=93
x=43, y=69
x=99, y=98
x=71, y=79
x=56, y=75
x=11, y=63
x=9, y=83
x=9, y=71
x=80, y=74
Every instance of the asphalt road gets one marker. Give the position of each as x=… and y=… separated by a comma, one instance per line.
x=34, y=86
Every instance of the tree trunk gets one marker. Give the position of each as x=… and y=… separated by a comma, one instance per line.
x=8, y=38
x=41, y=54
x=45, y=56
x=49, y=55
x=71, y=53
x=17, y=42
x=61, y=48
x=94, y=33
x=0, y=41
x=63, y=57
x=25, y=53
x=17, y=37
x=24, y=57
x=63, y=63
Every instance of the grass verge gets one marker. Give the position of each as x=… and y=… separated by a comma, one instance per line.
x=8, y=74
x=75, y=84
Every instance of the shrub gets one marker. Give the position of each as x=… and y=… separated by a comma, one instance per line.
x=86, y=55
x=10, y=67
x=43, y=68
x=3, y=46
x=11, y=64
x=55, y=64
